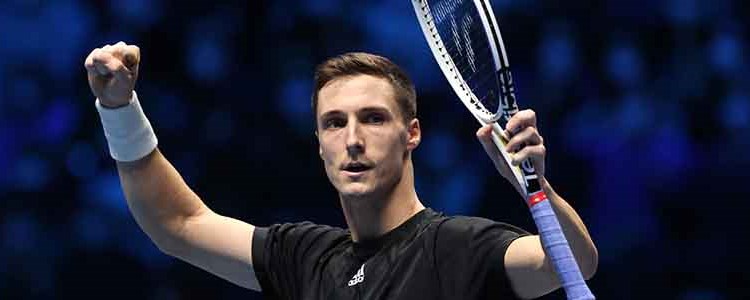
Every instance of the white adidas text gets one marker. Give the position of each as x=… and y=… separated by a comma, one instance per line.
x=359, y=277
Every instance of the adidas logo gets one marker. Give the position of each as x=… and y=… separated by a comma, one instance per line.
x=359, y=277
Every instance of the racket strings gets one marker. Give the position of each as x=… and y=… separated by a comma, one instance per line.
x=470, y=39
x=472, y=36
x=476, y=36
x=458, y=29
x=481, y=79
x=481, y=82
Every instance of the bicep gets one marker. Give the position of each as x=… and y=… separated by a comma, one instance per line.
x=219, y=245
x=529, y=269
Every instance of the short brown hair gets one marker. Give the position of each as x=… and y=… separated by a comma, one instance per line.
x=360, y=63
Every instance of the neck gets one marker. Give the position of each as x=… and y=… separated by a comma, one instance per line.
x=372, y=216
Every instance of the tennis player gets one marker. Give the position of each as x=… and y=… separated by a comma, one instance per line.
x=393, y=248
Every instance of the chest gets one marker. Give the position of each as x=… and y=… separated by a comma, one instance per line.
x=406, y=272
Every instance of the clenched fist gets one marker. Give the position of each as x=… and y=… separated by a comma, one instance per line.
x=112, y=72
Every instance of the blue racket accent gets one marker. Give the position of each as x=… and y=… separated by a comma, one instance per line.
x=556, y=246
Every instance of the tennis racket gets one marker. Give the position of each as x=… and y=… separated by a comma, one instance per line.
x=465, y=40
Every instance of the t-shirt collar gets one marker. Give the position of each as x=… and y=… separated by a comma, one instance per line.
x=366, y=248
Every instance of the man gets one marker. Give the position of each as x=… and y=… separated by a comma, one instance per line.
x=394, y=248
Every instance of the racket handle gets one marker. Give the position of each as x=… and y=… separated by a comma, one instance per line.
x=556, y=246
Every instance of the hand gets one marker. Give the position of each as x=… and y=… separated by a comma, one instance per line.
x=524, y=142
x=112, y=72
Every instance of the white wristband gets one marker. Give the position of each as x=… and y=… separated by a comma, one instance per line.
x=129, y=134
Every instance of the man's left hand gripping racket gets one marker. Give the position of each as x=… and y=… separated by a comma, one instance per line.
x=465, y=40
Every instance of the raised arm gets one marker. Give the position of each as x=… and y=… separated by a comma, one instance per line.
x=527, y=265
x=168, y=211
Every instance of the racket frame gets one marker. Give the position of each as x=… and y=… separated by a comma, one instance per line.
x=461, y=88
x=550, y=231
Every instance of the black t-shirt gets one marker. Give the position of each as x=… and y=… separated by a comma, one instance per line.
x=430, y=256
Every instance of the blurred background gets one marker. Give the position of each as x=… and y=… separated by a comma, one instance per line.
x=644, y=106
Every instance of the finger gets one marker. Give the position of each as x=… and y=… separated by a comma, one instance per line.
x=106, y=48
x=536, y=153
x=484, y=131
x=89, y=63
x=124, y=52
x=484, y=134
x=504, y=137
x=99, y=60
x=529, y=136
x=106, y=64
x=131, y=56
x=519, y=121
x=114, y=50
x=128, y=55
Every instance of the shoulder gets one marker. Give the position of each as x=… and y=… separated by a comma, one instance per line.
x=450, y=234
x=303, y=233
x=469, y=253
x=480, y=238
x=467, y=226
x=303, y=228
x=285, y=255
x=288, y=246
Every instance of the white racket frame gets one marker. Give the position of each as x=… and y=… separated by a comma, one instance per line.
x=456, y=81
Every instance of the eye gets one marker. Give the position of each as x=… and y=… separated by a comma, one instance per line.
x=374, y=118
x=334, y=123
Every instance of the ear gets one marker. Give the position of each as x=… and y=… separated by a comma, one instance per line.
x=320, y=149
x=414, y=134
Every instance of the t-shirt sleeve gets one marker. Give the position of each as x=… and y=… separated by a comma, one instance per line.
x=285, y=256
x=470, y=255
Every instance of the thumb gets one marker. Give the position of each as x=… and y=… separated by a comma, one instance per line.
x=484, y=134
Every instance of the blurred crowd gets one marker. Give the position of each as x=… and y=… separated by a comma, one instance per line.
x=644, y=107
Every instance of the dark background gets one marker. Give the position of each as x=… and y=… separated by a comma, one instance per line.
x=644, y=106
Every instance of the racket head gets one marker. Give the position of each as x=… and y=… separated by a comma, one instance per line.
x=465, y=40
x=478, y=97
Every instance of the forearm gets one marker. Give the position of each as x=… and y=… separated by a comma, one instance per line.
x=159, y=198
x=575, y=232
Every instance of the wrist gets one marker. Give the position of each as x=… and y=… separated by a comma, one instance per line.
x=120, y=102
x=114, y=106
x=129, y=134
x=546, y=187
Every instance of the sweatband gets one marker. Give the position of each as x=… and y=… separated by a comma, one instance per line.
x=129, y=134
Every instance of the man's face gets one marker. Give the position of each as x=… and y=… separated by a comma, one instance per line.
x=364, y=142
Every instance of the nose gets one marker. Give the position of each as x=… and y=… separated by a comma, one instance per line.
x=355, y=144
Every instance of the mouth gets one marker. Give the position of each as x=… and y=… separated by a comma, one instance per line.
x=356, y=168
